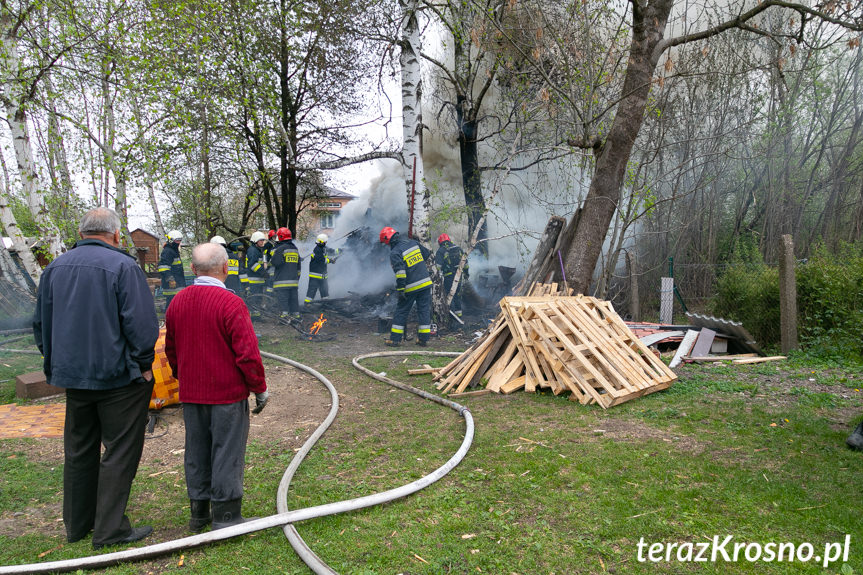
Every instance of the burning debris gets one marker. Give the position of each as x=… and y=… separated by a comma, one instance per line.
x=316, y=327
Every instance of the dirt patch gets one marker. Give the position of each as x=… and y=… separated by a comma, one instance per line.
x=298, y=404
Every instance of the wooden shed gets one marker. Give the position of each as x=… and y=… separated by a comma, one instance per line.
x=148, y=248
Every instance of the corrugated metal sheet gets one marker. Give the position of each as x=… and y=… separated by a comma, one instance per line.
x=727, y=327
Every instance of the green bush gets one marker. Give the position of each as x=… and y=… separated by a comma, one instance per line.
x=830, y=303
x=749, y=293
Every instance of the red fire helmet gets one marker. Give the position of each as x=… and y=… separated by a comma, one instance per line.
x=283, y=234
x=270, y=234
x=442, y=238
x=386, y=234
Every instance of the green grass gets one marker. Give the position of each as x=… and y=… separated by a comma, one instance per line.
x=548, y=486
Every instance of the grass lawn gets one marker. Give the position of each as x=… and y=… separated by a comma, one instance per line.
x=549, y=486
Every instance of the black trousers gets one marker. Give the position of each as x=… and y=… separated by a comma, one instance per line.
x=288, y=299
x=316, y=284
x=96, y=485
x=400, y=317
x=215, y=456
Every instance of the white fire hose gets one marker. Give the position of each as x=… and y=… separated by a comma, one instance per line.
x=284, y=518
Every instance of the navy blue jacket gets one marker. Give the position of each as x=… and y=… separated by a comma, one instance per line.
x=95, y=321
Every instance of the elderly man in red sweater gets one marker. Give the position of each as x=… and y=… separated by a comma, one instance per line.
x=212, y=348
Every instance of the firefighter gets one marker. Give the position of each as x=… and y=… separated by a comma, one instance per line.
x=171, y=267
x=413, y=283
x=233, y=280
x=447, y=259
x=256, y=268
x=268, y=257
x=318, y=269
x=286, y=282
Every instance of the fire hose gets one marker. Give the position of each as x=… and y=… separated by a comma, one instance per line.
x=284, y=518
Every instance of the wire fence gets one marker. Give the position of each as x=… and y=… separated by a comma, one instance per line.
x=829, y=295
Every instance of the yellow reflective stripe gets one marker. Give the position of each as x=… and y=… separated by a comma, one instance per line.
x=413, y=257
x=257, y=281
x=418, y=285
x=398, y=329
x=401, y=274
x=424, y=329
x=176, y=262
x=164, y=268
x=257, y=266
x=285, y=283
x=316, y=276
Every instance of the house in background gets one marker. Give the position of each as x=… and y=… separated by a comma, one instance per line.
x=147, y=249
x=320, y=216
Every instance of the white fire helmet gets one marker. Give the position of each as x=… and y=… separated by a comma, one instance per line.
x=175, y=235
x=218, y=240
x=258, y=236
x=322, y=238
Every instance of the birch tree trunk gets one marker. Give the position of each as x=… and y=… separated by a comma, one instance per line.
x=17, y=117
x=19, y=242
x=148, y=168
x=412, y=162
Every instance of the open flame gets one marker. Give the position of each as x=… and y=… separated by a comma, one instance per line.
x=316, y=327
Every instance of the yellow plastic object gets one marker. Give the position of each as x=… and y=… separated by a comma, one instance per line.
x=166, y=389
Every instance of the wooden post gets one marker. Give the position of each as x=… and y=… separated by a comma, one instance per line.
x=787, y=294
x=634, y=302
x=542, y=253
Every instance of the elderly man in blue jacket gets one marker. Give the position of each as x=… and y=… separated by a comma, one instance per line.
x=95, y=324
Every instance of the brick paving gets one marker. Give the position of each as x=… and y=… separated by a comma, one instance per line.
x=17, y=421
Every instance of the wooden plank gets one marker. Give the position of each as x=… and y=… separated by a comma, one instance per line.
x=641, y=353
x=522, y=342
x=423, y=370
x=600, y=358
x=512, y=370
x=703, y=343
x=759, y=359
x=636, y=362
x=493, y=352
x=684, y=347
x=513, y=385
x=721, y=357
x=470, y=393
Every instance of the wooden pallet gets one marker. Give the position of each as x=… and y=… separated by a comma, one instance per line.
x=562, y=343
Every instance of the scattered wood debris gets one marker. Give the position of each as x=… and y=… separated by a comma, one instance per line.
x=561, y=342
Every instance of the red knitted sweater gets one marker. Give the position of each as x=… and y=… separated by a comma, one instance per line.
x=211, y=346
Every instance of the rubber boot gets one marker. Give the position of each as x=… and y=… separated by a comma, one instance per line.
x=200, y=511
x=227, y=513
x=855, y=440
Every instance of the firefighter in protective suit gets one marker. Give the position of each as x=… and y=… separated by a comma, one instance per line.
x=286, y=281
x=171, y=267
x=447, y=259
x=233, y=280
x=256, y=268
x=318, y=269
x=413, y=283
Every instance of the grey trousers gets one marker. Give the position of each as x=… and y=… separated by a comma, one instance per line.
x=96, y=485
x=215, y=454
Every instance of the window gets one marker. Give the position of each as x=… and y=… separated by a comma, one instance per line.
x=329, y=205
x=328, y=220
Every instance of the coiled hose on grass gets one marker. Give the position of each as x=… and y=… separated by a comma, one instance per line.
x=284, y=518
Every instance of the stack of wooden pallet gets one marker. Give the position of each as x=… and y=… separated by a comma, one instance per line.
x=559, y=342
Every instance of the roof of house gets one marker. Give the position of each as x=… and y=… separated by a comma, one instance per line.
x=334, y=193
x=145, y=231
